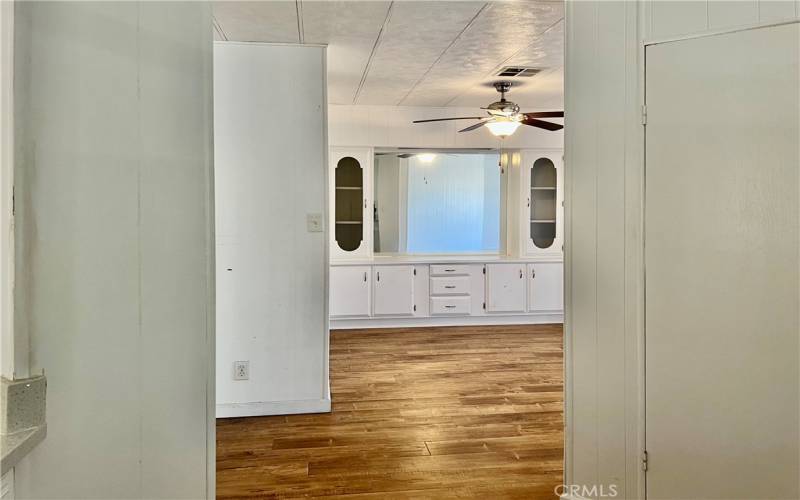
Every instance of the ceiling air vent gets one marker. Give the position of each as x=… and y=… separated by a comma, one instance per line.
x=518, y=71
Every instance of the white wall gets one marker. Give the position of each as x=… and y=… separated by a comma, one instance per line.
x=270, y=163
x=114, y=266
x=391, y=126
x=603, y=250
x=8, y=366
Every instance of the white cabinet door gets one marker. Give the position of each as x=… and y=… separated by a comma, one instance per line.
x=542, y=214
x=394, y=290
x=546, y=286
x=505, y=288
x=349, y=291
x=350, y=200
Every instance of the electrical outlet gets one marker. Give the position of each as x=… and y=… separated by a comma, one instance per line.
x=241, y=370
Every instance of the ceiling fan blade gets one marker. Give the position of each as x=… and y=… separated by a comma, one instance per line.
x=545, y=114
x=446, y=119
x=477, y=125
x=533, y=122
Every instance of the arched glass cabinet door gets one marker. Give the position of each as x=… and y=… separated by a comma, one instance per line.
x=349, y=204
x=543, y=203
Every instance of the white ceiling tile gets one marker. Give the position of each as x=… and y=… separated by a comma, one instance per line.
x=350, y=30
x=415, y=37
x=545, y=89
x=501, y=32
x=272, y=21
x=423, y=58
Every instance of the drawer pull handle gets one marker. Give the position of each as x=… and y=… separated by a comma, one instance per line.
x=449, y=270
x=520, y=274
x=365, y=276
x=449, y=286
x=450, y=307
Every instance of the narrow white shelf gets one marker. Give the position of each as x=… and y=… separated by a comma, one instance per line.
x=349, y=188
x=348, y=222
x=543, y=189
x=547, y=221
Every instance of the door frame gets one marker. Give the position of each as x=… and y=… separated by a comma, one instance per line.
x=642, y=278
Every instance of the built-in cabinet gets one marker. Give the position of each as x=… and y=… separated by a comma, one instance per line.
x=545, y=286
x=505, y=288
x=350, y=291
x=471, y=290
x=542, y=184
x=394, y=290
x=524, y=284
x=350, y=200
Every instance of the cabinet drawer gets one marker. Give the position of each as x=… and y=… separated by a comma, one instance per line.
x=450, y=286
x=450, y=305
x=449, y=270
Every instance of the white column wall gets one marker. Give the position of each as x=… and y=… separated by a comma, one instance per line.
x=271, y=173
x=114, y=256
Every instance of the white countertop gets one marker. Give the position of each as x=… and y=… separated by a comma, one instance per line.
x=442, y=259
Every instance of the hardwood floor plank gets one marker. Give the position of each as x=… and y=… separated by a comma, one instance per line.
x=425, y=413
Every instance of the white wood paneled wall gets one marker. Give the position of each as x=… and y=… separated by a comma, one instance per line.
x=113, y=186
x=668, y=18
x=271, y=280
x=603, y=251
x=390, y=126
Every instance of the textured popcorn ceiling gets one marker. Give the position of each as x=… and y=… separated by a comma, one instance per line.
x=415, y=53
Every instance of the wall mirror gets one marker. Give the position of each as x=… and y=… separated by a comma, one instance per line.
x=436, y=202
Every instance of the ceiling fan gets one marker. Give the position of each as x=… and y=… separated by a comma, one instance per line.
x=504, y=116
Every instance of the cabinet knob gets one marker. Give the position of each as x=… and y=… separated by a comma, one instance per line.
x=520, y=274
x=365, y=276
x=378, y=275
x=533, y=273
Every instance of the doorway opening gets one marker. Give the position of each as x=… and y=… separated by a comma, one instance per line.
x=390, y=226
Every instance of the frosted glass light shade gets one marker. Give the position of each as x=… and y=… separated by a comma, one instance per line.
x=503, y=128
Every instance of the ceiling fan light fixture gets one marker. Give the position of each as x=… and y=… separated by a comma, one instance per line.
x=503, y=128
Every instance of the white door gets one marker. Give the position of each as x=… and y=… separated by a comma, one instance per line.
x=505, y=288
x=545, y=286
x=721, y=258
x=394, y=290
x=350, y=291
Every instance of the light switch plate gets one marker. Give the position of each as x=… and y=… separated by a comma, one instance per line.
x=314, y=223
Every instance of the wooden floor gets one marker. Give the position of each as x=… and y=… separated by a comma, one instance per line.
x=465, y=412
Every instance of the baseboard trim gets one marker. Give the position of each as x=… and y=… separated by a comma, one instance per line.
x=262, y=408
x=538, y=319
